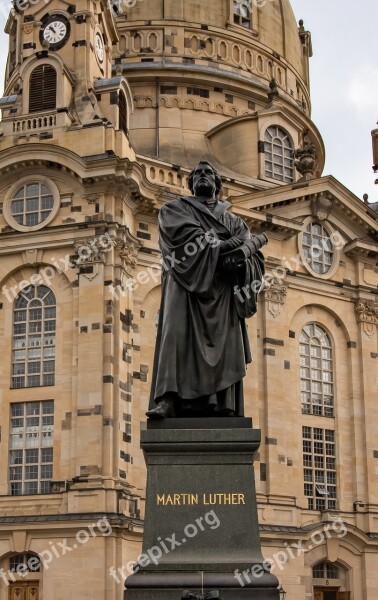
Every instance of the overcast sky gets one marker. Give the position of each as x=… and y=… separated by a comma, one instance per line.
x=344, y=83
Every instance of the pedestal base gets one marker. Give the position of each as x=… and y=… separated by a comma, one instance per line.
x=201, y=530
x=171, y=586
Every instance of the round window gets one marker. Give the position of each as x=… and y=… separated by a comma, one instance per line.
x=32, y=204
x=318, y=248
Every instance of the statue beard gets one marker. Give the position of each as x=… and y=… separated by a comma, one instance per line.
x=205, y=190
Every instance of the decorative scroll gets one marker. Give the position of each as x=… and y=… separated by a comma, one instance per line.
x=275, y=297
x=367, y=314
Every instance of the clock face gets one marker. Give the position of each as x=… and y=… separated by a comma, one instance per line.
x=55, y=31
x=99, y=47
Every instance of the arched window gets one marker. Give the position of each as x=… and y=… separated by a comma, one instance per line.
x=316, y=367
x=318, y=248
x=42, y=89
x=34, y=326
x=279, y=160
x=24, y=563
x=331, y=576
x=325, y=570
x=122, y=112
x=23, y=573
x=242, y=13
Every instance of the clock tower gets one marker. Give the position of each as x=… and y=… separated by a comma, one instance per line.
x=60, y=56
x=69, y=189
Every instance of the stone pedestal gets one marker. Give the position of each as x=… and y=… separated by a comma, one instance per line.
x=201, y=529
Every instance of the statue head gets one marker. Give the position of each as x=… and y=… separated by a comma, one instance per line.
x=204, y=180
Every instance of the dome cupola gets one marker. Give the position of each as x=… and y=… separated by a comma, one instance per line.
x=210, y=79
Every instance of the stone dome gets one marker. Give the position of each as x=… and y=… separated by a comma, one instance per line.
x=193, y=65
x=273, y=21
x=278, y=30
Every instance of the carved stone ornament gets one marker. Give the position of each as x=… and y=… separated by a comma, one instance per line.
x=321, y=205
x=93, y=198
x=128, y=253
x=93, y=249
x=90, y=253
x=367, y=313
x=306, y=160
x=56, y=487
x=275, y=293
x=127, y=246
x=273, y=90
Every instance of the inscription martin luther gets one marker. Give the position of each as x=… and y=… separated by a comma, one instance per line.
x=221, y=499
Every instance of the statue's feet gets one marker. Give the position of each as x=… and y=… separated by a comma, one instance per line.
x=164, y=410
x=225, y=412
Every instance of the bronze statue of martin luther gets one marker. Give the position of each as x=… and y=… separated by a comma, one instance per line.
x=202, y=346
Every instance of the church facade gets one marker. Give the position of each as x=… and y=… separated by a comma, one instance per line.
x=106, y=109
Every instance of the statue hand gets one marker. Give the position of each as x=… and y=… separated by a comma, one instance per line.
x=230, y=244
x=255, y=243
x=230, y=263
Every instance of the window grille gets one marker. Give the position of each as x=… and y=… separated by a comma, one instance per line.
x=242, y=13
x=318, y=248
x=279, y=160
x=316, y=371
x=34, y=326
x=31, y=451
x=319, y=475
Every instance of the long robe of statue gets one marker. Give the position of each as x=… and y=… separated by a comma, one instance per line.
x=202, y=346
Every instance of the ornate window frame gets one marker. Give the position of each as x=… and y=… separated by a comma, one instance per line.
x=7, y=208
x=246, y=27
x=34, y=338
x=31, y=453
x=321, y=486
x=329, y=572
x=317, y=371
x=44, y=78
x=65, y=81
x=292, y=147
x=334, y=235
x=325, y=570
x=23, y=573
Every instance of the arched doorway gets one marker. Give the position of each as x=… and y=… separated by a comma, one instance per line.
x=330, y=581
x=23, y=575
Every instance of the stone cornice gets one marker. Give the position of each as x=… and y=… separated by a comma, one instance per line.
x=340, y=197
x=283, y=228
x=360, y=249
